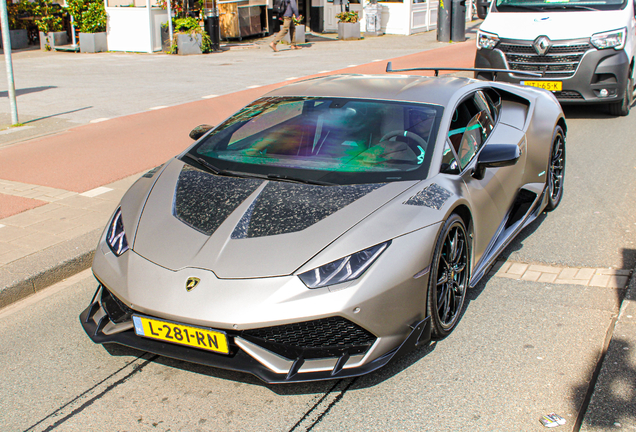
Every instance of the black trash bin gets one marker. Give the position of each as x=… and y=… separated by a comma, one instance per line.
x=444, y=21
x=212, y=28
x=458, y=21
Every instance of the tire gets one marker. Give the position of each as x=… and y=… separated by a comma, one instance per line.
x=449, y=277
x=556, y=170
x=622, y=107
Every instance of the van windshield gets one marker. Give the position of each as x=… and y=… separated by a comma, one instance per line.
x=558, y=5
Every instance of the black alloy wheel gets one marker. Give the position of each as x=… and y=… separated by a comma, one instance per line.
x=556, y=170
x=622, y=107
x=450, y=271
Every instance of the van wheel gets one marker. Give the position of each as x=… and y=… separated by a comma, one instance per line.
x=621, y=108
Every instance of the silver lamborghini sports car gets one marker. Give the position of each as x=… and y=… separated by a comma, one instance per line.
x=328, y=227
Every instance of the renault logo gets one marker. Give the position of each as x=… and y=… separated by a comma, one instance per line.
x=192, y=283
x=542, y=45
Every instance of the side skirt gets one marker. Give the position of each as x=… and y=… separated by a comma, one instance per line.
x=512, y=224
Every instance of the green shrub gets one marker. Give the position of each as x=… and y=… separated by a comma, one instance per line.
x=89, y=16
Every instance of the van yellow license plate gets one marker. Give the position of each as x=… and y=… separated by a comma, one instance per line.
x=196, y=337
x=548, y=85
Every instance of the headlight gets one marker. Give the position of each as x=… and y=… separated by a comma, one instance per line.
x=344, y=269
x=611, y=39
x=486, y=40
x=116, y=236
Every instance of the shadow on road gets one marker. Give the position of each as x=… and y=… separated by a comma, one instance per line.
x=598, y=111
x=610, y=391
x=20, y=92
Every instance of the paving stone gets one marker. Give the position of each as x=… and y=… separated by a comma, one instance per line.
x=517, y=269
x=545, y=269
x=585, y=273
x=572, y=281
x=613, y=272
x=10, y=233
x=501, y=267
x=25, y=219
x=36, y=241
x=547, y=278
x=600, y=280
x=531, y=276
x=568, y=273
x=617, y=281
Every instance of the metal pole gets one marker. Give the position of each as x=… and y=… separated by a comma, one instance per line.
x=169, y=4
x=6, y=43
x=73, y=32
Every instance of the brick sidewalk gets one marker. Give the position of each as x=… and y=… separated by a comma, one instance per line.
x=596, y=277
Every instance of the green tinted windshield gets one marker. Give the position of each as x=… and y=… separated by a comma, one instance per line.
x=558, y=5
x=332, y=139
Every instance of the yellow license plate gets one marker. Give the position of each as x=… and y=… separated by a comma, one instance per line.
x=548, y=85
x=196, y=337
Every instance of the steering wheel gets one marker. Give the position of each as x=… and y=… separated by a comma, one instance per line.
x=404, y=133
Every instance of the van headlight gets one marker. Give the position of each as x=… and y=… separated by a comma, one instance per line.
x=116, y=236
x=344, y=269
x=611, y=39
x=486, y=40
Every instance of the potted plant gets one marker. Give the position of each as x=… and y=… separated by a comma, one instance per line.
x=17, y=24
x=48, y=18
x=348, y=25
x=91, y=19
x=189, y=37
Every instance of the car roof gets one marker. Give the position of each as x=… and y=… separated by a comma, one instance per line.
x=411, y=88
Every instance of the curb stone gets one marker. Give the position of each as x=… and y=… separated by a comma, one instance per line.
x=35, y=272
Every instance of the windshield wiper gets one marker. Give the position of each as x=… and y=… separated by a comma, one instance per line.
x=516, y=6
x=282, y=177
x=213, y=169
x=571, y=6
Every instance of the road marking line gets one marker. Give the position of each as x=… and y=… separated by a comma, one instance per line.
x=291, y=78
x=377, y=60
x=99, y=120
x=330, y=71
x=158, y=107
x=95, y=192
x=209, y=96
x=253, y=86
x=2, y=226
x=352, y=66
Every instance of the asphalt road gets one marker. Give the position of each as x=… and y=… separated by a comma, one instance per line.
x=522, y=349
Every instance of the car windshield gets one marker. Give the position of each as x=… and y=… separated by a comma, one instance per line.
x=331, y=140
x=558, y=5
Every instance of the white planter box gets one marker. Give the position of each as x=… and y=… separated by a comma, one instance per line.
x=188, y=43
x=299, y=35
x=19, y=39
x=53, y=39
x=348, y=31
x=93, y=42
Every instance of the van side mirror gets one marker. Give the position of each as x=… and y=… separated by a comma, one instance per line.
x=495, y=156
x=199, y=131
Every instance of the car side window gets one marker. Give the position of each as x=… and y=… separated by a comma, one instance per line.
x=449, y=160
x=471, y=125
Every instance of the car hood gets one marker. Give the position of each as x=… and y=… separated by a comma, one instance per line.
x=555, y=25
x=248, y=228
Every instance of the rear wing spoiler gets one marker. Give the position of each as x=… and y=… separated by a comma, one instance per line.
x=389, y=68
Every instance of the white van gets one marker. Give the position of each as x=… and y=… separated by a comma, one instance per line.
x=583, y=49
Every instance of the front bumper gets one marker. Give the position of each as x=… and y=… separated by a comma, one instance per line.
x=597, y=69
x=246, y=353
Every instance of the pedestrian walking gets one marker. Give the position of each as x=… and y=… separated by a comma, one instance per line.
x=291, y=11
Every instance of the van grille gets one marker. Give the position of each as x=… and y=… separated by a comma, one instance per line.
x=560, y=61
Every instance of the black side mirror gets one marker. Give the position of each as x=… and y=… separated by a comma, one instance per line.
x=495, y=156
x=199, y=131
